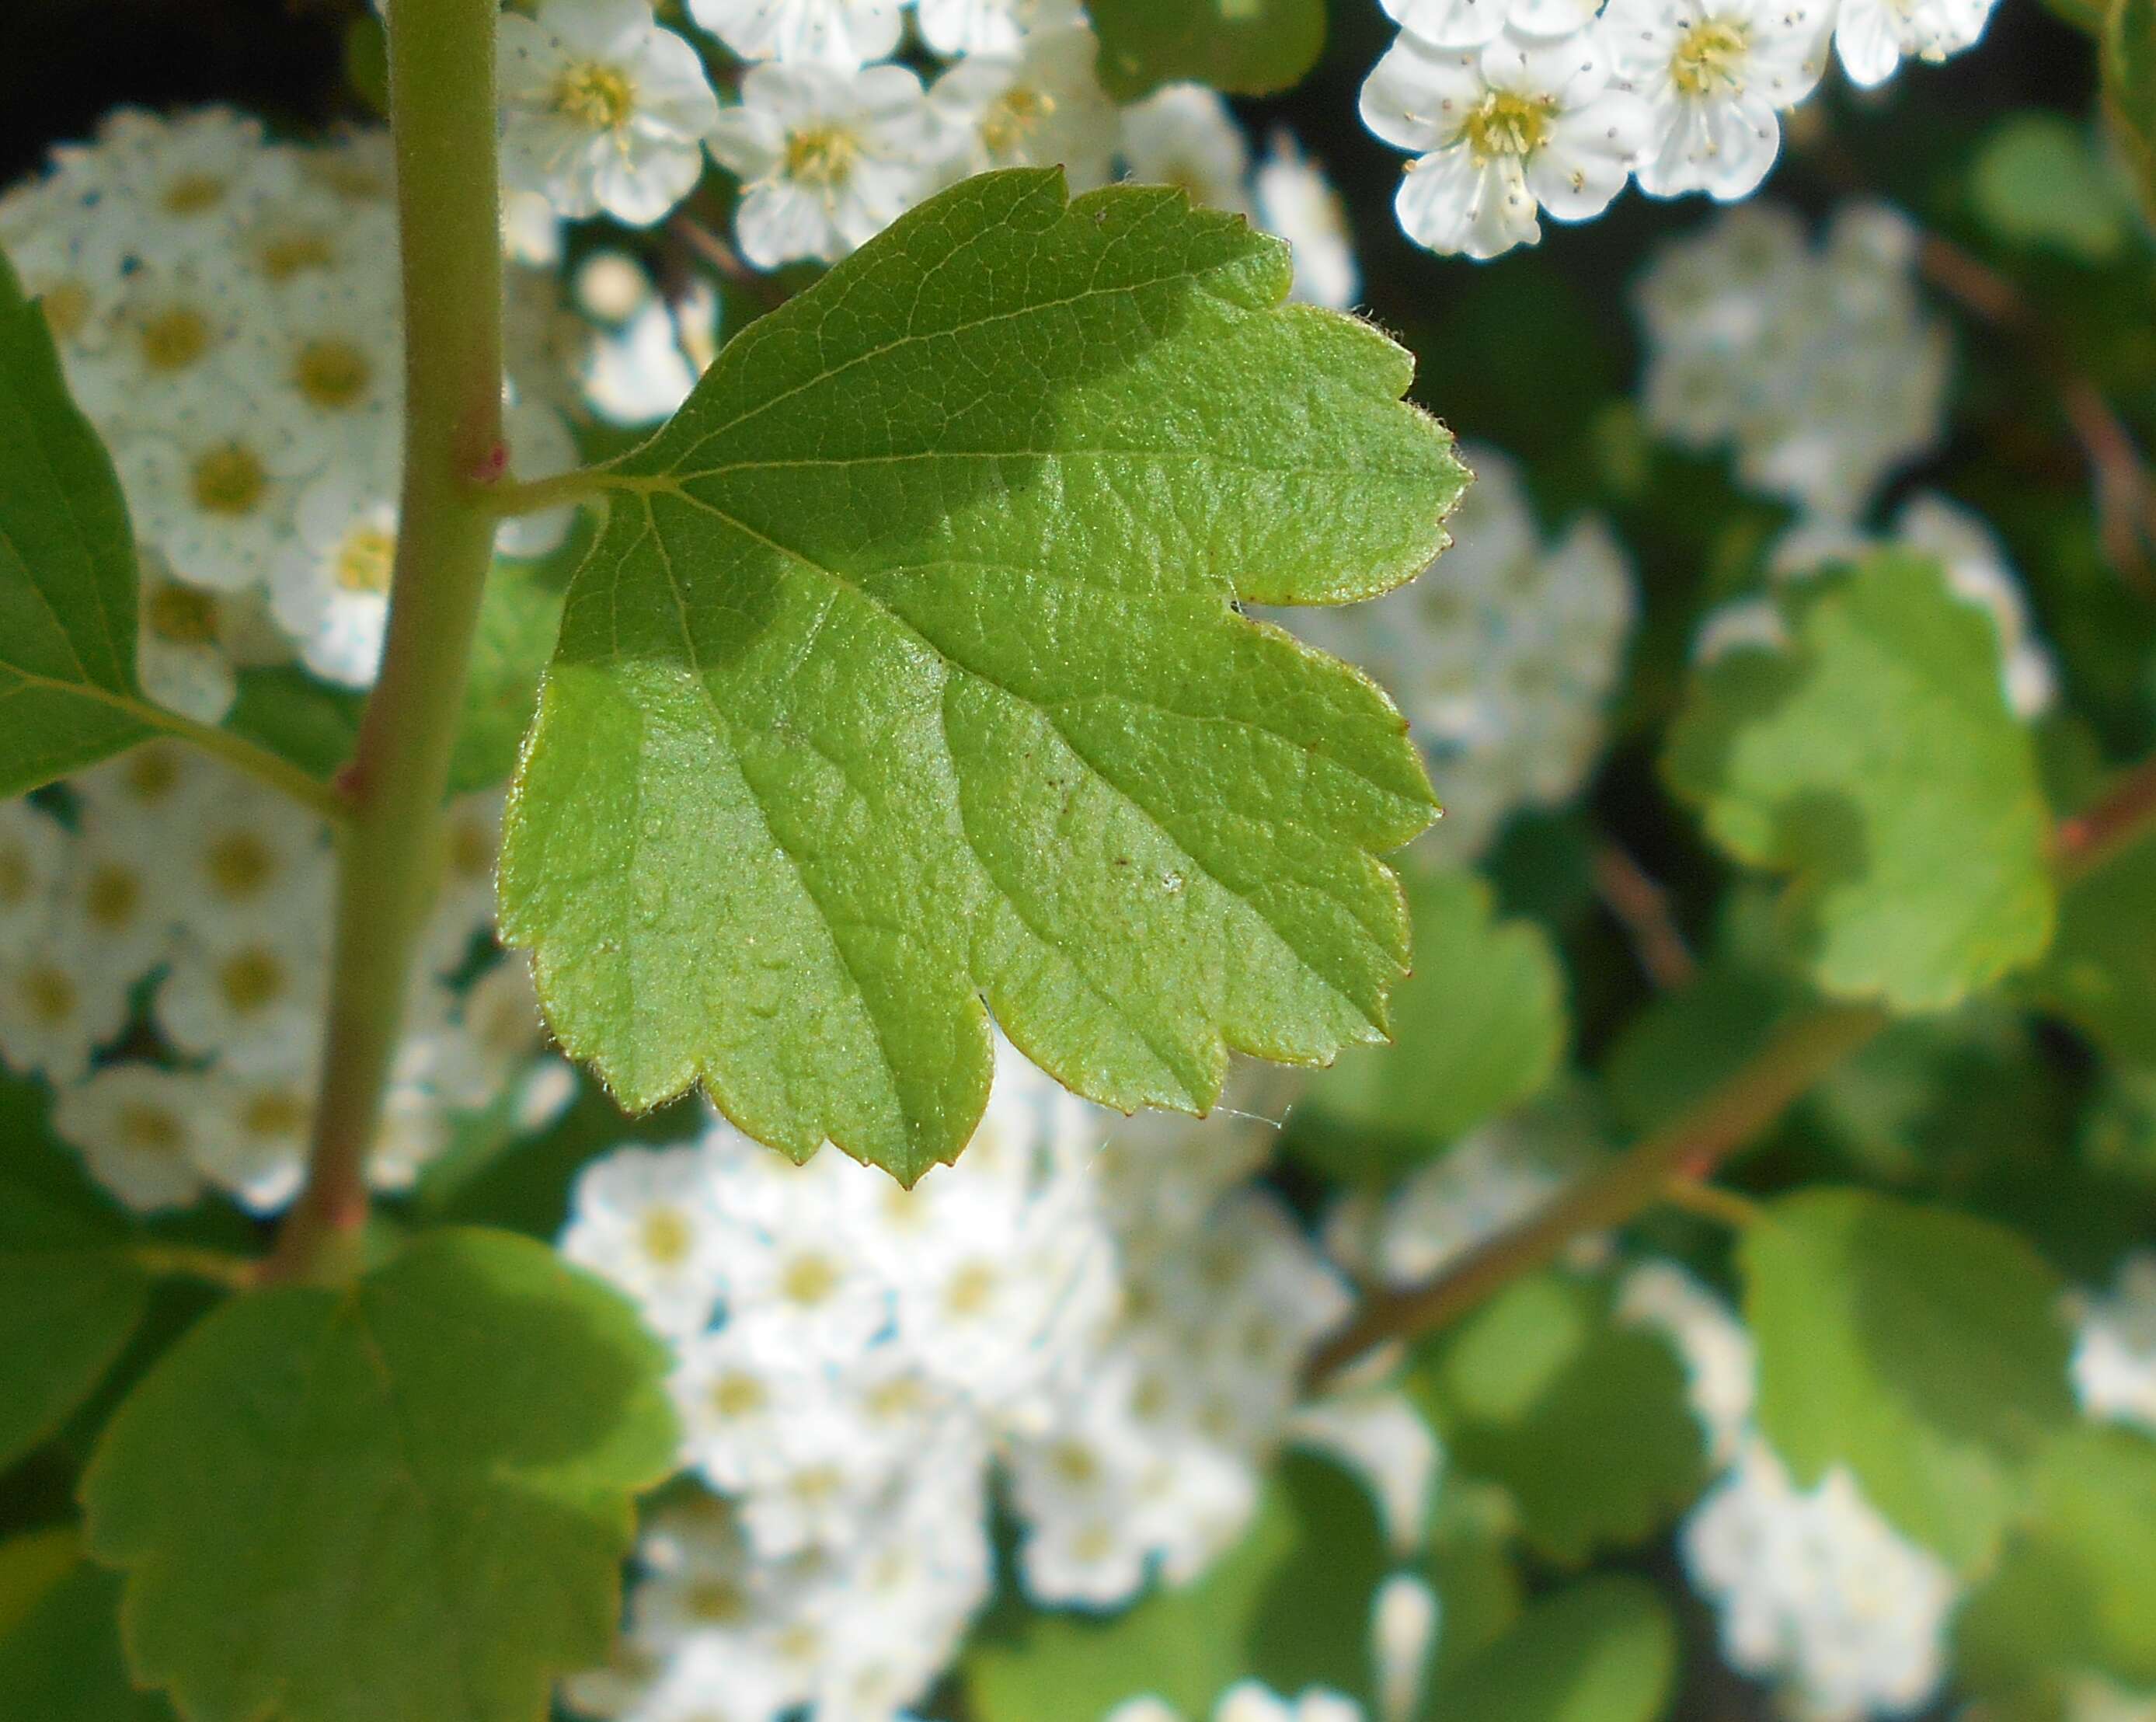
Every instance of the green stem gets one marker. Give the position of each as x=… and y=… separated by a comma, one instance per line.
x=235, y=1274
x=1799, y=1052
x=279, y=773
x=442, y=120
x=537, y=496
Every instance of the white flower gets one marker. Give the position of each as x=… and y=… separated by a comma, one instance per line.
x=1715, y=76
x=253, y=1001
x=180, y=656
x=330, y=589
x=115, y=906
x=645, y=1219
x=495, y=1033
x=32, y=850
x=1041, y=106
x=827, y=159
x=1496, y=132
x=254, y=1144
x=2114, y=1365
x=55, y=1011
x=1295, y=201
x=1721, y=1364
x=956, y=27
x=464, y=906
x=1873, y=37
x=213, y=486
x=1183, y=135
x=1406, y=1617
x=640, y=374
x=1385, y=1440
x=844, y=33
x=603, y=110
x=139, y=1129
x=244, y=857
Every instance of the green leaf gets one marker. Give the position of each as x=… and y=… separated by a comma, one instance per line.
x=2039, y=180
x=1922, y=1348
x=69, y=1299
x=1477, y=1029
x=31, y=1563
x=907, y=669
x=404, y=1501
x=520, y=619
x=1582, y=1419
x=2100, y=974
x=2076, y=1587
x=1685, y=1043
x=1876, y=761
x=68, y=693
x=309, y=723
x=2128, y=64
x=1290, y=1605
x=1245, y=47
x=61, y=1661
x=1603, y=1650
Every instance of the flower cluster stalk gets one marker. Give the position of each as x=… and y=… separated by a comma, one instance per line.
x=442, y=118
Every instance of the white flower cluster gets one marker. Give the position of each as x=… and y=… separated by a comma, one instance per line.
x=1818, y=364
x=174, y=876
x=1250, y=1701
x=1967, y=551
x=2115, y=1351
x=226, y=309
x=1503, y=655
x=1117, y=1328
x=1816, y=1591
x=832, y=139
x=1510, y=108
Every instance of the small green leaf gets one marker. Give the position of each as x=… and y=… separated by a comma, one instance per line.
x=1876, y=761
x=1478, y=1028
x=1290, y=1605
x=2128, y=64
x=61, y=1661
x=2075, y=1586
x=1603, y=1650
x=407, y=1502
x=1922, y=1348
x=2100, y=974
x=1245, y=47
x=907, y=670
x=30, y=1564
x=2039, y=180
x=1583, y=1420
x=68, y=693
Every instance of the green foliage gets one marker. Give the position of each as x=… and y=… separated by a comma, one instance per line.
x=1922, y=1348
x=60, y=1660
x=2039, y=180
x=1876, y=762
x=421, y=1513
x=520, y=619
x=68, y=694
x=1245, y=47
x=1289, y=1605
x=2128, y=61
x=1583, y=1420
x=286, y=710
x=69, y=1298
x=2100, y=974
x=2075, y=1586
x=1477, y=1029
x=1603, y=1650
x=908, y=670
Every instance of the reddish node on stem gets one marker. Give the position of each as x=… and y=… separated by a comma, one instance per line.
x=492, y=467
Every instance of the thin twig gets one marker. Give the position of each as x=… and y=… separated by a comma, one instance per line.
x=2125, y=495
x=1713, y=1201
x=715, y=250
x=2121, y=818
x=1641, y=908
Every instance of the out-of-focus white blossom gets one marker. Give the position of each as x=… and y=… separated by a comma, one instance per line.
x=1183, y=136
x=1503, y=654
x=827, y=159
x=2114, y=1364
x=1874, y=36
x=1249, y=1701
x=1039, y=106
x=843, y=34
x=602, y=110
x=1819, y=364
x=1497, y=133
x=1295, y=201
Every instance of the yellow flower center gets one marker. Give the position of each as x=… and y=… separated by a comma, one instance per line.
x=667, y=1236
x=181, y=614
x=240, y=865
x=716, y=1602
x=274, y=1112
x=50, y=994
x=972, y=1290
x=150, y=1129
x=364, y=560
x=175, y=339
x=1710, y=56
x=737, y=1394
x=16, y=877
x=251, y=980
x=332, y=374
x=191, y=193
x=230, y=481
x=112, y=896
x=599, y=97
x=1013, y=117
x=471, y=852
x=809, y=1280
x=293, y=254
x=1508, y=124
x=822, y=156
x=152, y=773
x=67, y=308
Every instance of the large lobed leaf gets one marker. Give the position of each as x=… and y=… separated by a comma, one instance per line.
x=1922, y=1348
x=907, y=670
x=68, y=695
x=1876, y=762
x=407, y=1502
